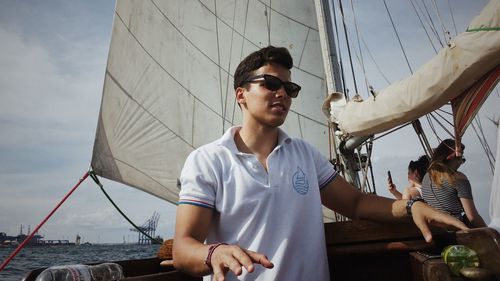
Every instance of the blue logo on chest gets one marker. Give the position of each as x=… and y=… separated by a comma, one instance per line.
x=299, y=181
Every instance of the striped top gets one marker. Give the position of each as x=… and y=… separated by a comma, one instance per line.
x=446, y=197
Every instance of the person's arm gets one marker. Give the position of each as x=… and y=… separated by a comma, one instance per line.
x=191, y=228
x=465, y=195
x=472, y=213
x=189, y=252
x=393, y=190
x=342, y=197
x=410, y=192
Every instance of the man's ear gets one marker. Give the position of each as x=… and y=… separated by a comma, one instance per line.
x=240, y=95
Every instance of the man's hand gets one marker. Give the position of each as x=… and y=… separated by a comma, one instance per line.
x=232, y=257
x=424, y=215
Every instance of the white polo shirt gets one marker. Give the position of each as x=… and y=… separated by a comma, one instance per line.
x=277, y=213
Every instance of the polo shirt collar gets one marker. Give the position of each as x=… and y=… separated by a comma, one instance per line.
x=227, y=140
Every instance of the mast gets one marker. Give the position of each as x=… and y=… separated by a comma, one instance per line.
x=344, y=155
x=328, y=47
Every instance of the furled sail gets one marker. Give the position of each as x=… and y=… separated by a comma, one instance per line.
x=168, y=83
x=470, y=56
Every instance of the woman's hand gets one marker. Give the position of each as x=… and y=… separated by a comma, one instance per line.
x=390, y=185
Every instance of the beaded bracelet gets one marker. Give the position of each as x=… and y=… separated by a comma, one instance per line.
x=211, y=249
x=410, y=203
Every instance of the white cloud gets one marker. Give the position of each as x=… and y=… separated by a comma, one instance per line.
x=97, y=218
x=42, y=98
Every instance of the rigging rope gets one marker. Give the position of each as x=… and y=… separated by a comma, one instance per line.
x=362, y=63
x=484, y=143
x=391, y=131
x=420, y=133
x=446, y=32
x=423, y=26
x=422, y=137
x=442, y=126
x=348, y=48
x=330, y=141
x=367, y=167
x=96, y=180
x=442, y=117
x=452, y=18
x=223, y=101
x=431, y=24
x=371, y=168
x=332, y=11
x=360, y=36
x=268, y=16
x=444, y=111
x=433, y=129
x=16, y=251
x=375, y=62
x=397, y=35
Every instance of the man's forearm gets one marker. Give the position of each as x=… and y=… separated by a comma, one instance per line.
x=189, y=256
x=378, y=208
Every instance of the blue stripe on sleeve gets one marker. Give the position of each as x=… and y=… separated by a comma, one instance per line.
x=199, y=204
x=330, y=179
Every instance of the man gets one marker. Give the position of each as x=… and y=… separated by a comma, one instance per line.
x=257, y=192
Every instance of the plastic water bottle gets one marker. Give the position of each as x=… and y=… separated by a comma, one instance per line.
x=458, y=257
x=81, y=272
x=106, y=271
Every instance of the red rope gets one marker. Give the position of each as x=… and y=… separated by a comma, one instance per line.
x=6, y=262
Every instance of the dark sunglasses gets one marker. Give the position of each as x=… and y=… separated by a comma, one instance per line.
x=273, y=83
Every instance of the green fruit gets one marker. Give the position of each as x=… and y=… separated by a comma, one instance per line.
x=458, y=257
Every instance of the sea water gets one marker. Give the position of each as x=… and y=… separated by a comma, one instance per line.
x=35, y=257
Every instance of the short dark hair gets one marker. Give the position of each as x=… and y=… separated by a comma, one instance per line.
x=268, y=55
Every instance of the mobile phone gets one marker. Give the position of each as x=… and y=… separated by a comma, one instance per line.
x=389, y=176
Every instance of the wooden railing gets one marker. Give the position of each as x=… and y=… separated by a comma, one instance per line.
x=362, y=250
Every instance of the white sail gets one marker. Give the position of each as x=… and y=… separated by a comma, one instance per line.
x=453, y=70
x=495, y=188
x=168, y=84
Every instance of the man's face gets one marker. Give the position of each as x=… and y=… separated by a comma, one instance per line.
x=264, y=106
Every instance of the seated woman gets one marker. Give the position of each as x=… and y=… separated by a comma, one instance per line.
x=447, y=189
x=416, y=172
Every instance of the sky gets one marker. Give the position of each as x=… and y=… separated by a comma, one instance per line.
x=52, y=63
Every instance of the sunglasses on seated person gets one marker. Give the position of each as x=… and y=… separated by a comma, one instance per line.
x=273, y=83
